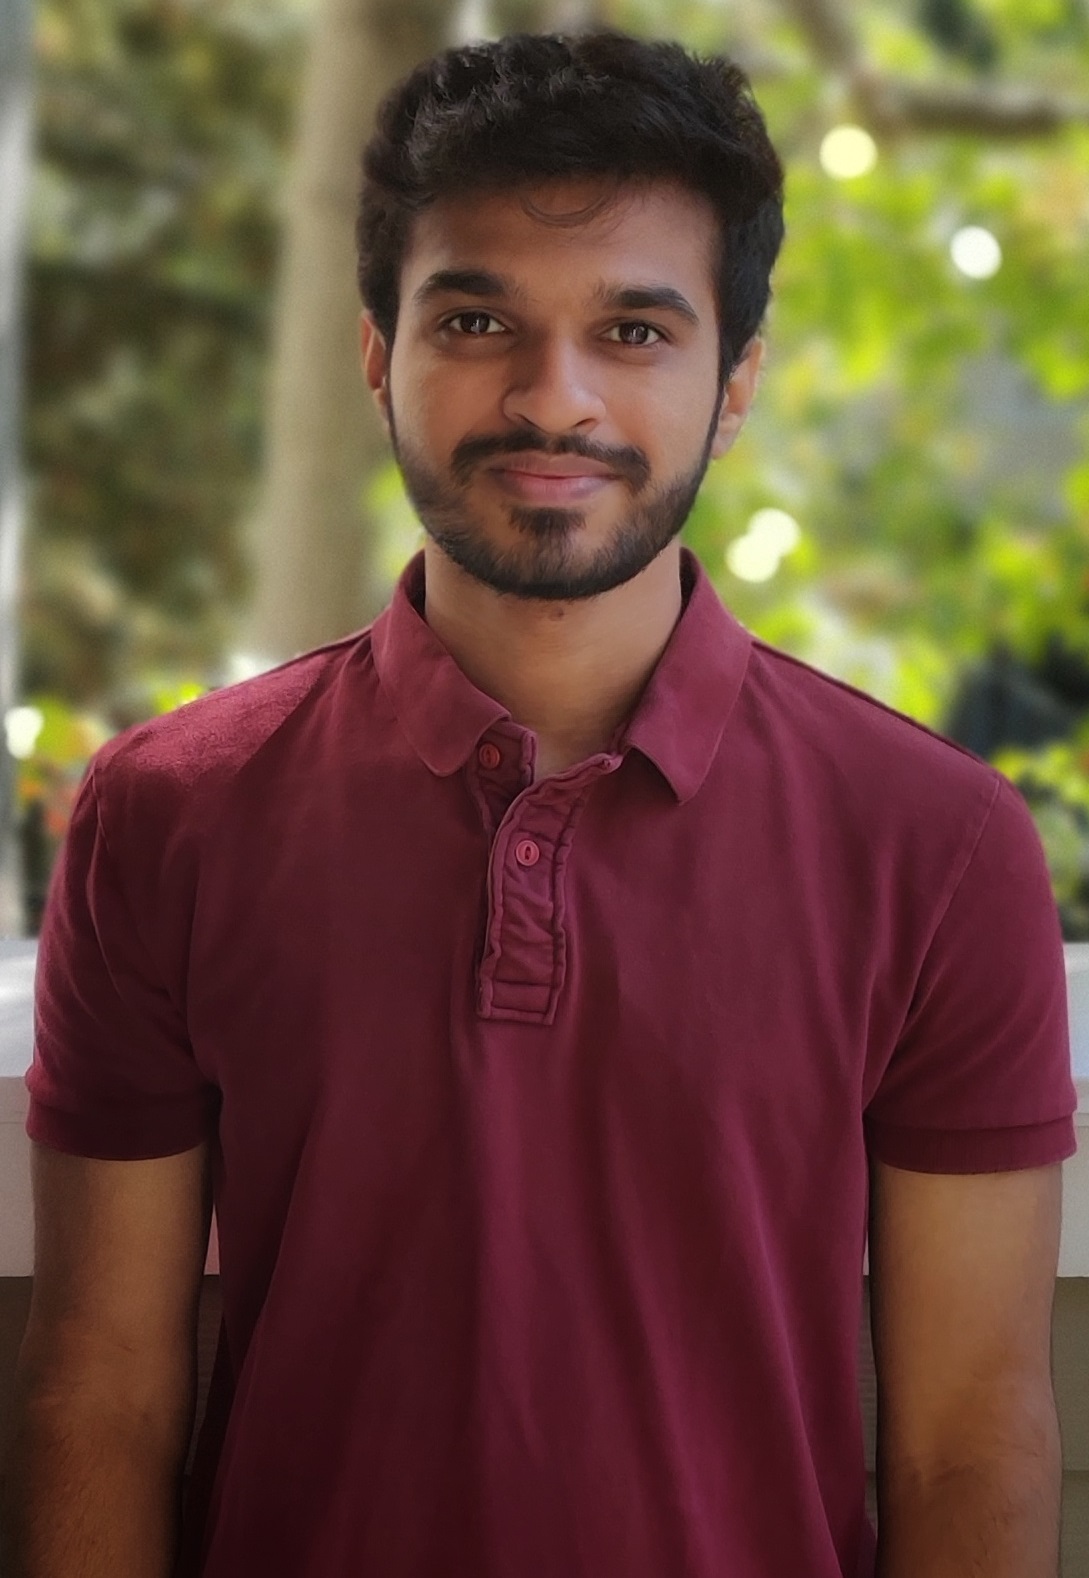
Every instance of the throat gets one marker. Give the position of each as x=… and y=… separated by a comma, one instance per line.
x=554, y=757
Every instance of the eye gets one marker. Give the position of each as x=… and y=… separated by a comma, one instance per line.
x=636, y=333
x=474, y=323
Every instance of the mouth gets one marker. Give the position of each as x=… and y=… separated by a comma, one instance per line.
x=548, y=480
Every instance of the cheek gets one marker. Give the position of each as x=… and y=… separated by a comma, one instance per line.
x=437, y=411
x=670, y=431
x=686, y=422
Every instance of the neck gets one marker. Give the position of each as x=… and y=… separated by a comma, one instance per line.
x=572, y=672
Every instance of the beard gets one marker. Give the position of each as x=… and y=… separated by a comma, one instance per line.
x=543, y=565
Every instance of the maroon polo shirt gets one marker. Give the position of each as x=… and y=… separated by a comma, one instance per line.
x=541, y=1113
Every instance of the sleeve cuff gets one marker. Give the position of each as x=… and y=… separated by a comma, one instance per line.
x=122, y=1136
x=972, y=1150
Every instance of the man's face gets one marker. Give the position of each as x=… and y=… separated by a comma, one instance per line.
x=553, y=391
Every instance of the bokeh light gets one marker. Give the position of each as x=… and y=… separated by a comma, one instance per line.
x=778, y=529
x=848, y=152
x=22, y=726
x=757, y=555
x=976, y=252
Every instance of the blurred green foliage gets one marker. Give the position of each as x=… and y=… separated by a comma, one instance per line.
x=162, y=127
x=49, y=777
x=925, y=430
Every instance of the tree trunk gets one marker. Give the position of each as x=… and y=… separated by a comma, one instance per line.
x=313, y=549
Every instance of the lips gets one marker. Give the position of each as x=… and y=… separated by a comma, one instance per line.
x=541, y=484
x=509, y=456
x=563, y=467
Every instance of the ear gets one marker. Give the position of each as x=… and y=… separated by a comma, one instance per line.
x=374, y=354
x=737, y=398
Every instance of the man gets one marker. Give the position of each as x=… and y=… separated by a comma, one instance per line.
x=543, y=978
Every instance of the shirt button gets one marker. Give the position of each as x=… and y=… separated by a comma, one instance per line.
x=489, y=756
x=527, y=853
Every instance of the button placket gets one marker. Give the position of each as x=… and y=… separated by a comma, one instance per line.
x=524, y=962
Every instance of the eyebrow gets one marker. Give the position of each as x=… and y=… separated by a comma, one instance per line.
x=483, y=283
x=642, y=298
x=466, y=282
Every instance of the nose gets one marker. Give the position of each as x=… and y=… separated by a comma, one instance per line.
x=552, y=388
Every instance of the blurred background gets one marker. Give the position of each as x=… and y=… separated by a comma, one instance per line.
x=193, y=486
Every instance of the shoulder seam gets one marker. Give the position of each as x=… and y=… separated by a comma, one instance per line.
x=874, y=701
x=139, y=732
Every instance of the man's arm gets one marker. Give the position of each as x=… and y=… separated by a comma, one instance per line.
x=968, y=1459
x=105, y=1383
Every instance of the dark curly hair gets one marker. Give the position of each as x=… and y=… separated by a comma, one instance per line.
x=536, y=106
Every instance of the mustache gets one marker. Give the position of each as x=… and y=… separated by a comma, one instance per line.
x=629, y=463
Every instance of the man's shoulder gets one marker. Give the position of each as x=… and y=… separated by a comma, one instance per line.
x=865, y=744
x=210, y=740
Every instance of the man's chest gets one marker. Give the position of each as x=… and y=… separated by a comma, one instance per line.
x=571, y=995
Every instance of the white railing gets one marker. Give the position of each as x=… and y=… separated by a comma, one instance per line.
x=16, y=1237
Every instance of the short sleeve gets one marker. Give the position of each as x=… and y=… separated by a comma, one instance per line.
x=113, y=1074
x=980, y=1079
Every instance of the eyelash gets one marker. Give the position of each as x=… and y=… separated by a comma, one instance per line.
x=628, y=323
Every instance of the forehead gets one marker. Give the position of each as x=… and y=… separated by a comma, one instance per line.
x=554, y=236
